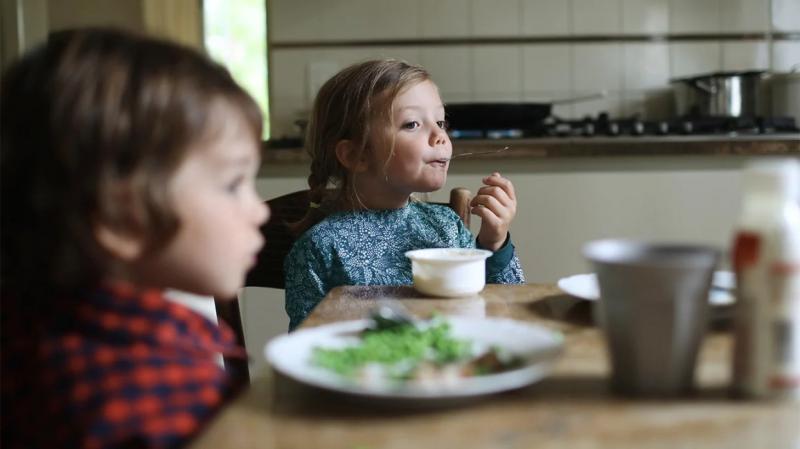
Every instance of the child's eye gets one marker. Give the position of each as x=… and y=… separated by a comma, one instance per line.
x=411, y=125
x=444, y=124
x=234, y=185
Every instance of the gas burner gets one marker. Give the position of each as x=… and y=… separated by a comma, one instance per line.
x=604, y=126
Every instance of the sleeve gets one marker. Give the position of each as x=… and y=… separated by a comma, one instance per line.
x=305, y=284
x=503, y=266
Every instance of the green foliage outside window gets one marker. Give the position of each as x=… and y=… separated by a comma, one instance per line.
x=236, y=36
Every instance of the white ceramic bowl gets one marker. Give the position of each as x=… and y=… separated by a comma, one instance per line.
x=449, y=272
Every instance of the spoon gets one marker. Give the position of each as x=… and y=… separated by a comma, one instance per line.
x=475, y=153
x=390, y=313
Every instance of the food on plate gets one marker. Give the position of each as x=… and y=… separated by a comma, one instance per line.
x=420, y=352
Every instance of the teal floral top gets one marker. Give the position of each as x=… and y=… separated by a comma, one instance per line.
x=367, y=248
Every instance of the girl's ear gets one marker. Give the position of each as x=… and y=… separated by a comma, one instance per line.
x=349, y=157
x=123, y=244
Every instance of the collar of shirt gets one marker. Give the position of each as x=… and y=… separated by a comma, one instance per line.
x=128, y=314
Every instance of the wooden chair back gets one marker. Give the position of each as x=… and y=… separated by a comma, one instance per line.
x=268, y=271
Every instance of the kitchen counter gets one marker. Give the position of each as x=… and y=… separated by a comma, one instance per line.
x=572, y=147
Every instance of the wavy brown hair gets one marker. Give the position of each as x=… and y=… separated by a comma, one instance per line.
x=87, y=111
x=352, y=105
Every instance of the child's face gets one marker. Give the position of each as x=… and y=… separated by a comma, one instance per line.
x=422, y=147
x=220, y=213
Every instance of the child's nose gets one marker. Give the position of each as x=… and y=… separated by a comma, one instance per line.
x=438, y=136
x=262, y=212
x=259, y=210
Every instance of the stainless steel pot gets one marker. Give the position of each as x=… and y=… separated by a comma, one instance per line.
x=720, y=94
x=785, y=90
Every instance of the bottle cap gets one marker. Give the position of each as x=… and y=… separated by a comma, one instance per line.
x=774, y=176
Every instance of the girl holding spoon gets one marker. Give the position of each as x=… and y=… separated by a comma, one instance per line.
x=378, y=134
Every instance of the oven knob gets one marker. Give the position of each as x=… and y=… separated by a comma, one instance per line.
x=637, y=128
x=588, y=129
x=687, y=127
x=563, y=129
x=613, y=129
x=663, y=128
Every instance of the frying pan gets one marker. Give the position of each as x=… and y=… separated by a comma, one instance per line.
x=524, y=115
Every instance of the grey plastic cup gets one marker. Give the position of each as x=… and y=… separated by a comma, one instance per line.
x=654, y=312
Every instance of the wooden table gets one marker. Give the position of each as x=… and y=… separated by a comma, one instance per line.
x=572, y=408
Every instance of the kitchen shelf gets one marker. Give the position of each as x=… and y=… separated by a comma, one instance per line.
x=575, y=147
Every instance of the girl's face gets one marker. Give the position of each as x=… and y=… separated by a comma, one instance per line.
x=421, y=153
x=219, y=213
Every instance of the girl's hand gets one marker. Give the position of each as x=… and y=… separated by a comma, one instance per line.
x=496, y=204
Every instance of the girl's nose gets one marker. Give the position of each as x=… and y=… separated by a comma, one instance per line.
x=438, y=136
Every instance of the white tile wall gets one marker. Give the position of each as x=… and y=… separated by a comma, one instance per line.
x=693, y=58
x=409, y=54
x=596, y=16
x=748, y=55
x=597, y=67
x=744, y=15
x=495, y=17
x=546, y=17
x=451, y=69
x=785, y=56
x=443, y=18
x=287, y=71
x=695, y=16
x=546, y=68
x=645, y=66
x=391, y=19
x=636, y=75
x=290, y=20
x=786, y=15
x=497, y=72
x=347, y=19
x=645, y=16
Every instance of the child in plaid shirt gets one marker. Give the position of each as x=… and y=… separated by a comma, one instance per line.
x=128, y=168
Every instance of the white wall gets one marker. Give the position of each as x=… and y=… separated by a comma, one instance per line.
x=563, y=203
x=456, y=40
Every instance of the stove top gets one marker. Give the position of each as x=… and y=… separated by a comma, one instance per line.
x=602, y=125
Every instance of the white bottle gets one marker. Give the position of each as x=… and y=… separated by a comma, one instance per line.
x=766, y=257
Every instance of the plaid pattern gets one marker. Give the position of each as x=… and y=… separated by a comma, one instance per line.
x=122, y=368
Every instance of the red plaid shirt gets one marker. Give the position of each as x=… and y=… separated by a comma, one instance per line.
x=123, y=368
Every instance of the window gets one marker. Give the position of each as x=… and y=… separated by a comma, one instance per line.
x=235, y=34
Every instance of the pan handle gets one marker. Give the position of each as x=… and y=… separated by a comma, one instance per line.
x=594, y=96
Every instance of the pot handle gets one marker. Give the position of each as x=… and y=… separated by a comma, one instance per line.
x=707, y=88
x=594, y=96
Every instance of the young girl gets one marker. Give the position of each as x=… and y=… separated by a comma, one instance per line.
x=377, y=134
x=128, y=168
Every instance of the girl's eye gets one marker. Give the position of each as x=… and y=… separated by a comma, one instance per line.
x=411, y=125
x=233, y=186
x=444, y=124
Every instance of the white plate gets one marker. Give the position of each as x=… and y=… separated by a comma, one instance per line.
x=290, y=354
x=585, y=286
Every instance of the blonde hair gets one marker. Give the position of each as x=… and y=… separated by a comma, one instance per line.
x=350, y=106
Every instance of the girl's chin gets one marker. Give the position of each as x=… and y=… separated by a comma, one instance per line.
x=432, y=187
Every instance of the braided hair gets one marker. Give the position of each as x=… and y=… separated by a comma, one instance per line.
x=351, y=105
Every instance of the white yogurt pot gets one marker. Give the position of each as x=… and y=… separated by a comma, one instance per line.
x=449, y=272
